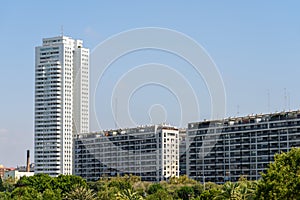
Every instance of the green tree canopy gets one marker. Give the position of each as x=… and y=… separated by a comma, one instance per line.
x=80, y=193
x=44, y=183
x=160, y=195
x=66, y=183
x=185, y=192
x=8, y=185
x=39, y=182
x=153, y=188
x=49, y=194
x=2, y=189
x=26, y=193
x=282, y=179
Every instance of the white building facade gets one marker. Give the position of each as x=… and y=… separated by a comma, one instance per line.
x=61, y=102
x=16, y=175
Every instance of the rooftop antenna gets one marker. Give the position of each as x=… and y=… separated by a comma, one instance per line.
x=62, y=30
x=238, y=110
x=268, y=93
x=116, y=112
x=285, y=99
x=289, y=100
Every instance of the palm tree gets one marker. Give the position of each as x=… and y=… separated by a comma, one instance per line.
x=81, y=193
x=247, y=189
x=241, y=190
x=229, y=191
x=128, y=194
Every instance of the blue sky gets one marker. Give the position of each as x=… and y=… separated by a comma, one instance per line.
x=255, y=45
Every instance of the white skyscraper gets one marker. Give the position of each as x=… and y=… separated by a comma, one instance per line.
x=61, y=102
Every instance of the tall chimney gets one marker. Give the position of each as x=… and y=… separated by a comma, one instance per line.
x=28, y=161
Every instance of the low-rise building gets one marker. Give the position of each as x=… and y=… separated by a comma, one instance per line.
x=4, y=169
x=151, y=152
x=16, y=175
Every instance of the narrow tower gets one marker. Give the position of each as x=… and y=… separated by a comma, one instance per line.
x=61, y=102
x=28, y=161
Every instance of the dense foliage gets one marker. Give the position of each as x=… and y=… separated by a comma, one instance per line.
x=281, y=181
x=44, y=187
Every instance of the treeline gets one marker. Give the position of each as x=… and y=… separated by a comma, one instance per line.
x=71, y=187
x=281, y=181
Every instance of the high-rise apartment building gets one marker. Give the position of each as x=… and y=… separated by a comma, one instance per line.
x=61, y=102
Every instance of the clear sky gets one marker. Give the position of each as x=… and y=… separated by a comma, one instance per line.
x=255, y=45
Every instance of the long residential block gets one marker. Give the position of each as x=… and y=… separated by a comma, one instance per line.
x=223, y=150
x=151, y=152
